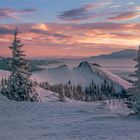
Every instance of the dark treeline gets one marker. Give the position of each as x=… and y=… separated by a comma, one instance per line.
x=90, y=93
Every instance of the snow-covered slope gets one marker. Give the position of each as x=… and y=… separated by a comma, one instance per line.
x=49, y=96
x=46, y=95
x=114, y=78
x=64, y=121
x=83, y=74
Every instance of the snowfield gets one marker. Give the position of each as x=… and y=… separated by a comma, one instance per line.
x=73, y=120
x=51, y=119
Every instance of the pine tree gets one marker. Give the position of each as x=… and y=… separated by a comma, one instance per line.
x=70, y=92
x=2, y=82
x=136, y=88
x=137, y=71
x=61, y=93
x=19, y=85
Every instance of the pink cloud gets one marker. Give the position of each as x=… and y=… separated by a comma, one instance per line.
x=12, y=13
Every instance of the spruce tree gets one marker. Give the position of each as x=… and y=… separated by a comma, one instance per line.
x=70, y=92
x=136, y=88
x=19, y=85
x=137, y=71
x=61, y=93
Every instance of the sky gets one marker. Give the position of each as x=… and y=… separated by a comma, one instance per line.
x=70, y=27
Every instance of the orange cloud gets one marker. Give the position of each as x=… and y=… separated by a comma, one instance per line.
x=42, y=26
x=71, y=39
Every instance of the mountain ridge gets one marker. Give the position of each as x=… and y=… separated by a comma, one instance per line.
x=126, y=53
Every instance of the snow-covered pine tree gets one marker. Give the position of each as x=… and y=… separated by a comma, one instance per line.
x=2, y=82
x=136, y=88
x=70, y=92
x=61, y=93
x=19, y=86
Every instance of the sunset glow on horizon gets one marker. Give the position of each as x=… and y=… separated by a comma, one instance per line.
x=70, y=28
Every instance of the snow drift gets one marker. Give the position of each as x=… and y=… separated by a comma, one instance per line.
x=118, y=106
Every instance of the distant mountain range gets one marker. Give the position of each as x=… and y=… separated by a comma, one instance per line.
x=127, y=53
x=123, y=54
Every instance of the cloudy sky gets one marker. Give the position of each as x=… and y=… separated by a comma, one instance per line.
x=70, y=27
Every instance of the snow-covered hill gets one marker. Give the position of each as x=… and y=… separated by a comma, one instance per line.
x=83, y=74
x=73, y=119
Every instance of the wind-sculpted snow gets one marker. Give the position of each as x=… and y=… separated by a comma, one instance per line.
x=64, y=121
